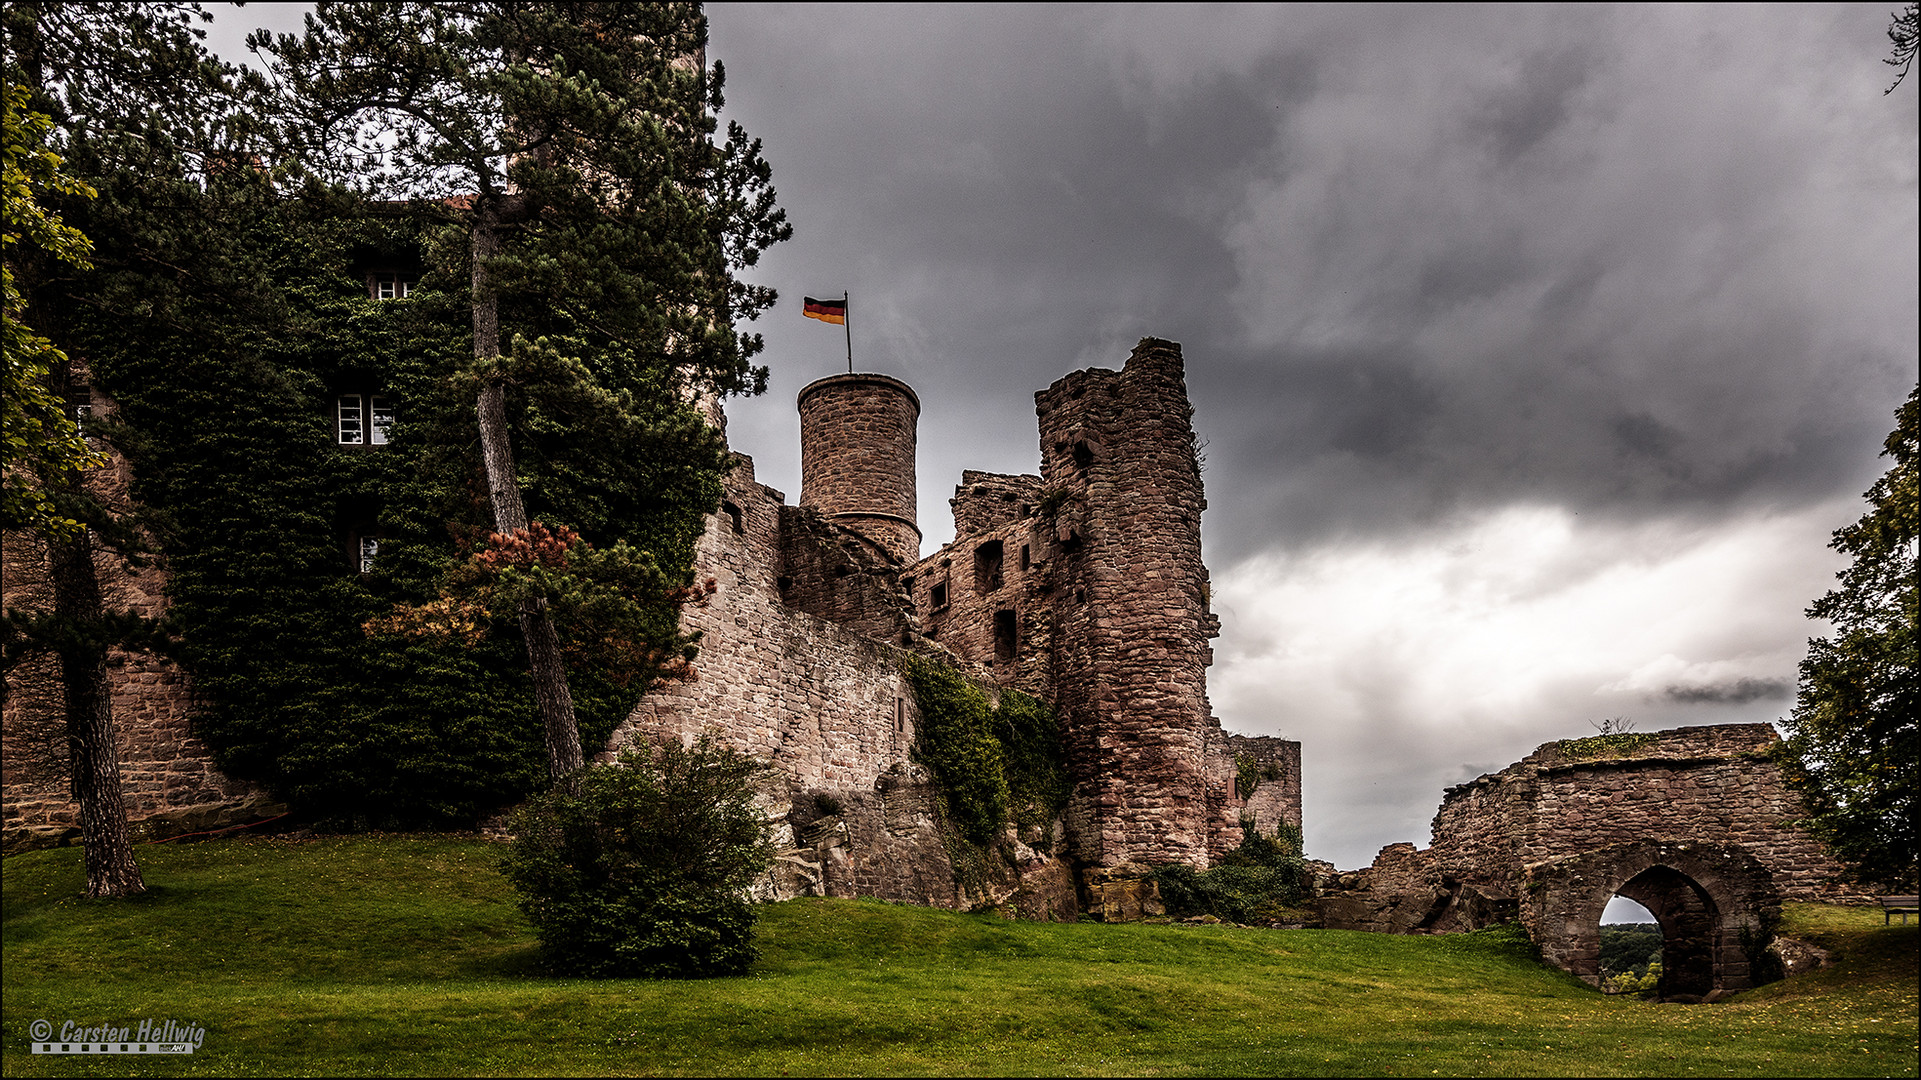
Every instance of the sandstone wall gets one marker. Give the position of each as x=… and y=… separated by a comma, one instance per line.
x=1715, y=784
x=1130, y=619
x=800, y=665
x=828, y=703
x=1277, y=798
x=168, y=777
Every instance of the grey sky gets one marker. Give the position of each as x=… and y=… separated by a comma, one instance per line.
x=1538, y=350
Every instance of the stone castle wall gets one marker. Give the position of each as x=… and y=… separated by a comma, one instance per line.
x=168, y=778
x=824, y=700
x=1277, y=797
x=1131, y=622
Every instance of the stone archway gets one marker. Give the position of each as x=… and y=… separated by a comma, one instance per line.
x=1716, y=903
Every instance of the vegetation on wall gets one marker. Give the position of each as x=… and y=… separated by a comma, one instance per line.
x=1255, y=883
x=227, y=311
x=230, y=426
x=1251, y=772
x=994, y=764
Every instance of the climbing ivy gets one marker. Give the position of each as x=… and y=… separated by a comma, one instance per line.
x=994, y=765
x=225, y=351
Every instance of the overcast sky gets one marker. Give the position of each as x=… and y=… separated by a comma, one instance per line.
x=1538, y=350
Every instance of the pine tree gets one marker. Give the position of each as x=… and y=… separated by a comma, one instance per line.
x=570, y=144
x=131, y=93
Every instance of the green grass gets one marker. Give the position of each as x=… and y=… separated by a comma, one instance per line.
x=405, y=955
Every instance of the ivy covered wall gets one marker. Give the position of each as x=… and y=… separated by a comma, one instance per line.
x=227, y=354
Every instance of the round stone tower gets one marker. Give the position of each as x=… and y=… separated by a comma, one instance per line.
x=857, y=437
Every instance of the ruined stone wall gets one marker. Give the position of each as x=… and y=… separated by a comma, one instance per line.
x=988, y=595
x=857, y=444
x=1716, y=785
x=827, y=702
x=822, y=696
x=1277, y=798
x=168, y=778
x=840, y=575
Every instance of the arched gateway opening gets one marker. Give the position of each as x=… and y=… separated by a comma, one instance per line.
x=1717, y=906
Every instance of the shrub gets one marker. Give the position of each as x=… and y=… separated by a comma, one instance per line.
x=1254, y=883
x=640, y=869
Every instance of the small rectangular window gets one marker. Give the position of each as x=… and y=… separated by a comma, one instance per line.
x=937, y=596
x=382, y=417
x=390, y=287
x=369, y=547
x=352, y=422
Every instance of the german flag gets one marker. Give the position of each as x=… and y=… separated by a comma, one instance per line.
x=833, y=311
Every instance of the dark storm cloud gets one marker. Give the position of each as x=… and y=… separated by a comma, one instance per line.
x=1646, y=269
x=1737, y=692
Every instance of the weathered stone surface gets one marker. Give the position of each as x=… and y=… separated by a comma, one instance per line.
x=1717, y=905
x=1083, y=585
x=1123, y=893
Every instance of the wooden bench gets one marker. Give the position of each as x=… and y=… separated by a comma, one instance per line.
x=1903, y=906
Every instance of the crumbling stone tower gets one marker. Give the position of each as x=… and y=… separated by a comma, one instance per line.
x=857, y=443
x=1131, y=620
x=1085, y=586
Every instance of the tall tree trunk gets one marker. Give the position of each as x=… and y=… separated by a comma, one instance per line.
x=551, y=692
x=93, y=751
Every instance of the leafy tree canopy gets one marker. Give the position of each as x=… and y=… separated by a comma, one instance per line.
x=1852, y=738
x=40, y=439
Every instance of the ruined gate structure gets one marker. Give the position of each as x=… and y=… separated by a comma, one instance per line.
x=1692, y=823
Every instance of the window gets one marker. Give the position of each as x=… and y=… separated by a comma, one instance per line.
x=363, y=419
x=369, y=548
x=1006, y=636
x=987, y=566
x=389, y=286
x=937, y=596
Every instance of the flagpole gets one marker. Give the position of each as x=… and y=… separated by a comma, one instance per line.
x=847, y=325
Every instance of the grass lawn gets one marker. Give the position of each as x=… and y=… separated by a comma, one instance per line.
x=405, y=955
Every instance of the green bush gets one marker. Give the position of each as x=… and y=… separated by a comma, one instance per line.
x=1254, y=883
x=640, y=869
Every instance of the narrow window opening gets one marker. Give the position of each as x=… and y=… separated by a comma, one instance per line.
x=1083, y=457
x=382, y=419
x=352, y=426
x=900, y=715
x=784, y=583
x=1027, y=561
x=369, y=550
x=987, y=566
x=1006, y=637
x=937, y=596
x=733, y=514
x=389, y=286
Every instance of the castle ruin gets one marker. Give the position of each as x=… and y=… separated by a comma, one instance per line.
x=1083, y=586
